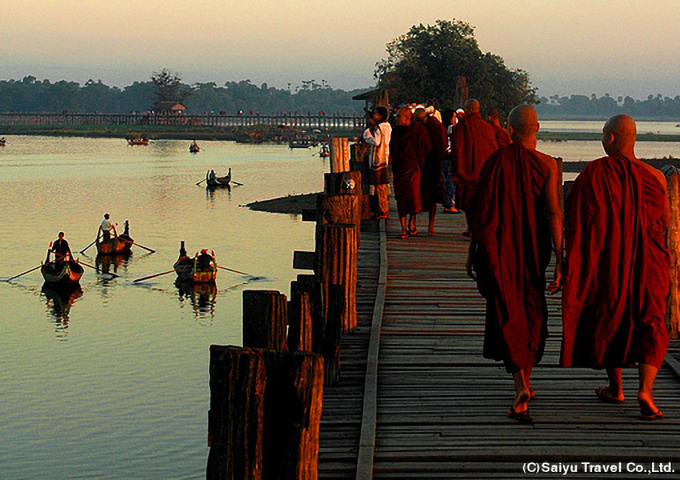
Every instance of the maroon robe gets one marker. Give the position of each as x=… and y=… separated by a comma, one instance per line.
x=473, y=140
x=431, y=180
x=408, y=148
x=616, y=275
x=502, y=136
x=507, y=221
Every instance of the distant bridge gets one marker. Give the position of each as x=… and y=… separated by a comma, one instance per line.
x=324, y=122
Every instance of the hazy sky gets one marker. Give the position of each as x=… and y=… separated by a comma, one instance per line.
x=567, y=46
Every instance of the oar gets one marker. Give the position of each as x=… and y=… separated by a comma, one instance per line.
x=152, y=276
x=93, y=242
x=95, y=268
x=145, y=248
x=201, y=182
x=235, y=271
x=237, y=183
x=23, y=273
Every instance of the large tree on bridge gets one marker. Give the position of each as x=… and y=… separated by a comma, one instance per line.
x=168, y=87
x=424, y=63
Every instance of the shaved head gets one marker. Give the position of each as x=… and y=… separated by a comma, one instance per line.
x=420, y=115
x=471, y=106
x=523, y=122
x=618, y=135
x=404, y=116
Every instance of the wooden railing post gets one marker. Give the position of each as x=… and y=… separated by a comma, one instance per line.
x=339, y=159
x=300, y=326
x=673, y=239
x=265, y=411
x=265, y=318
x=337, y=265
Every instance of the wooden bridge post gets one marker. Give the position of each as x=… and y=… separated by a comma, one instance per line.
x=265, y=317
x=337, y=265
x=339, y=159
x=300, y=326
x=332, y=333
x=265, y=410
x=673, y=311
x=309, y=285
x=337, y=208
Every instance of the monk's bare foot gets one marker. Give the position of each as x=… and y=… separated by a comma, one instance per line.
x=608, y=396
x=521, y=401
x=648, y=409
x=432, y=233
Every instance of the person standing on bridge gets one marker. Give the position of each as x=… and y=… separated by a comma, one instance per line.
x=378, y=135
x=514, y=215
x=616, y=276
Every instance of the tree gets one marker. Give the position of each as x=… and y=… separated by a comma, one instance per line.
x=423, y=65
x=169, y=88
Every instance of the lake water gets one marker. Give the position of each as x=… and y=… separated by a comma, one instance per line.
x=113, y=382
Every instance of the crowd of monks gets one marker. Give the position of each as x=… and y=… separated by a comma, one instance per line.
x=612, y=263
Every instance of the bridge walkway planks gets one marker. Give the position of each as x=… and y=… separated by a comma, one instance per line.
x=441, y=406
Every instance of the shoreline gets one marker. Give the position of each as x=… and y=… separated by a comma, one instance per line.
x=252, y=134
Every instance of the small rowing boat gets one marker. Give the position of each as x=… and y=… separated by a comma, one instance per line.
x=138, y=141
x=194, y=148
x=200, y=269
x=213, y=180
x=120, y=245
x=62, y=274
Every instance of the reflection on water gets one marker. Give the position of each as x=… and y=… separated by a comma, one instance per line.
x=59, y=303
x=201, y=296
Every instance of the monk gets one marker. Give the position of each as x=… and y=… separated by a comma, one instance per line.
x=431, y=180
x=408, y=148
x=617, y=268
x=514, y=216
x=502, y=135
x=473, y=140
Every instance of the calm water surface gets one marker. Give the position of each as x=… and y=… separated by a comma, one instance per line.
x=113, y=382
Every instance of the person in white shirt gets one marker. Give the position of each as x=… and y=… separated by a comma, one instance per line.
x=106, y=227
x=378, y=135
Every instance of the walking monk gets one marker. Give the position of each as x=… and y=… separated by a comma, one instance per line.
x=514, y=216
x=431, y=180
x=473, y=140
x=408, y=147
x=616, y=271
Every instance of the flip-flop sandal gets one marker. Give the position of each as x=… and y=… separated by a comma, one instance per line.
x=413, y=232
x=522, y=417
x=602, y=394
x=402, y=236
x=648, y=415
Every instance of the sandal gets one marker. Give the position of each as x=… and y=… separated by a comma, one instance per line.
x=522, y=417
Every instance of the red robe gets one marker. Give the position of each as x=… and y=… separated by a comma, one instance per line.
x=431, y=180
x=502, y=136
x=473, y=140
x=408, y=148
x=616, y=275
x=507, y=220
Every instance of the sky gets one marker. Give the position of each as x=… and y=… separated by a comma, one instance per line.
x=619, y=47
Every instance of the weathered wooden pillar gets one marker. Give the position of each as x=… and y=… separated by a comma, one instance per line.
x=673, y=238
x=343, y=182
x=337, y=208
x=300, y=326
x=265, y=317
x=265, y=410
x=236, y=416
x=312, y=287
x=339, y=159
x=332, y=333
x=337, y=265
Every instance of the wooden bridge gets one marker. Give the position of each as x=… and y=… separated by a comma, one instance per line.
x=416, y=399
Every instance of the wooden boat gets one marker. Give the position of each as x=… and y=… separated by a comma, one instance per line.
x=138, y=141
x=212, y=180
x=120, y=245
x=62, y=275
x=298, y=144
x=194, y=148
x=188, y=269
x=3, y=142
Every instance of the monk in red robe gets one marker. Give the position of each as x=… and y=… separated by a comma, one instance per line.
x=502, y=135
x=408, y=147
x=431, y=179
x=514, y=216
x=617, y=268
x=472, y=142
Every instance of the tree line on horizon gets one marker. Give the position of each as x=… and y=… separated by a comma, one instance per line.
x=30, y=95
